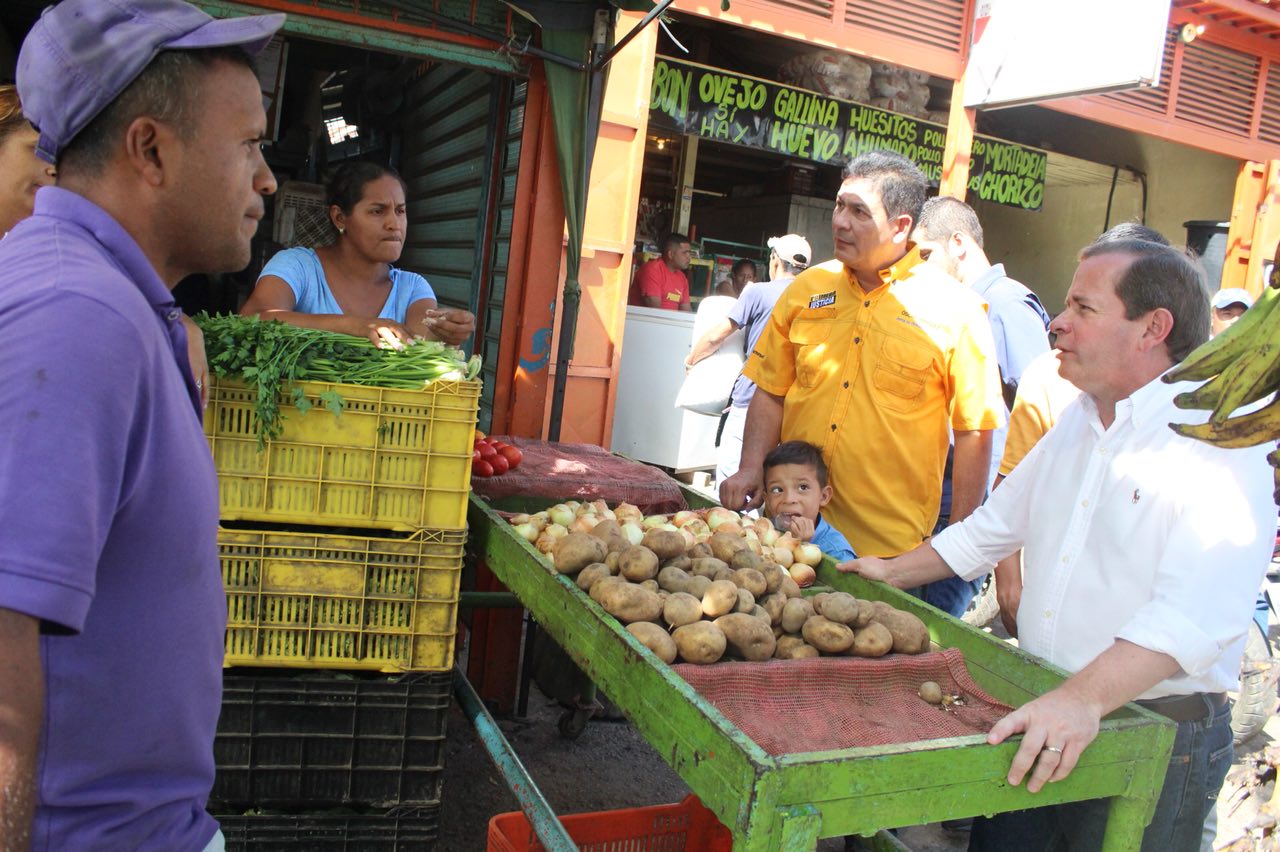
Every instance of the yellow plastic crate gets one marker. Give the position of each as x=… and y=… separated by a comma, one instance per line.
x=303, y=600
x=393, y=459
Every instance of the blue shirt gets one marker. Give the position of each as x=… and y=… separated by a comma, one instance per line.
x=831, y=541
x=109, y=512
x=751, y=312
x=301, y=269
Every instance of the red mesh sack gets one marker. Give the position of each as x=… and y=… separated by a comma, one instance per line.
x=831, y=703
x=582, y=472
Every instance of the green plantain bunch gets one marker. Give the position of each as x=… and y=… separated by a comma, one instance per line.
x=1238, y=367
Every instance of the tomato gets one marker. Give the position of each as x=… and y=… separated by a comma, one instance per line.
x=482, y=468
x=487, y=452
x=498, y=445
x=512, y=455
x=500, y=464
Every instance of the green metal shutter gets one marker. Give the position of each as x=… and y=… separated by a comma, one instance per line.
x=459, y=156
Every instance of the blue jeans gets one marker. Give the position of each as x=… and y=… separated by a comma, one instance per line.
x=951, y=595
x=1201, y=756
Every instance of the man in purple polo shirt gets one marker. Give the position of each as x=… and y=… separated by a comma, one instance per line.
x=111, y=605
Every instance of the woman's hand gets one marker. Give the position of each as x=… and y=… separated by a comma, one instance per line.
x=196, y=357
x=385, y=333
x=450, y=325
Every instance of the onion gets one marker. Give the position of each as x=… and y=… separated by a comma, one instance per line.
x=583, y=523
x=809, y=554
x=527, y=531
x=653, y=521
x=718, y=515
x=804, y=575
x=689, y=538
x=782, y=556
x=633, y=532
x=770, y=536
x=561, y=514
x=683, y=517
x=731, y=527
x=517, y=520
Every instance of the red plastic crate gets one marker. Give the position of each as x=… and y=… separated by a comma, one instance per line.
x=686, y=825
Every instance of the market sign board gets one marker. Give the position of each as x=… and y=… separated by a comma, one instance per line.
x=1028, y=51
x=726, y=107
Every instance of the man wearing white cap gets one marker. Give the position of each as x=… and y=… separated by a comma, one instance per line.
x=1228, y=306
x=112, y=611
x=789, y=255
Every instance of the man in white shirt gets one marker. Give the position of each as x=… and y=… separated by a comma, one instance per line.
x=1142, y=552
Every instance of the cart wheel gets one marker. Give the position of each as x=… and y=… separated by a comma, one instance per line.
x=573, y=723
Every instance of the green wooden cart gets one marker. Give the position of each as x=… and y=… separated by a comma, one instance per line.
x=789, y=802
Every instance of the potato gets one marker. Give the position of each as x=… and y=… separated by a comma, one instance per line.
x=817, y=601
x=629, y=603
x=746, y=601
x=651, y=585
x=865, y=612
x=790, y=588
x=910, y=636
x=774, y=604
x=762, y=614
x=841, y=607
x=874, y=640
x=673, y=579
x=612, y=558
x=931, y=692
x=778, y=632
x=598, y=587
x=606, y=530
x=638, y=563
x=827, y=636
x=747, y=636
x=720, y=599
x=698, y=586
x=664, y=594
x=724, y=545
x=751, y=580
x=773, y=577
x=795, y=612
x=701, y=642
x=588, y=576
x=682, y=562
x=681, y=608
x=706, y=567
x=747, y=559
x=667, y=544
x=578, y=550
x=655, y=639
x=699, y=550
x=792, y=647
x=725, y=573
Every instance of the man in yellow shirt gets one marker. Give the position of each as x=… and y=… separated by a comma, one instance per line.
x=873, y=357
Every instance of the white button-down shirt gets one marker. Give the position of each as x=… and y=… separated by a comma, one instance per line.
x=1131, y=532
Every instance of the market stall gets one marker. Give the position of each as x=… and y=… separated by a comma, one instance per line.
x=789, y=800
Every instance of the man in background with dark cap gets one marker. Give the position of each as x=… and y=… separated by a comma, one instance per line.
x=112, y=610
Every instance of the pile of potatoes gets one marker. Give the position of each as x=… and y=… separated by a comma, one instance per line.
x=544, y=529
x=720, y=599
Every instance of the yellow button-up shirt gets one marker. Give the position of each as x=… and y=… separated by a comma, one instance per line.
x=874, y=380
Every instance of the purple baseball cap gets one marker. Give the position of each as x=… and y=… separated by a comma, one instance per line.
x=82, y=54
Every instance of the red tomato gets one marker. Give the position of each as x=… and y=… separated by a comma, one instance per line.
x=500, y=464
x=498, y=445
x=487, y=452
x=482, y=468
x=512, y=455
x=475, y=455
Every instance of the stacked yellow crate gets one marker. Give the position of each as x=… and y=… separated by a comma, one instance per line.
x=312, y=593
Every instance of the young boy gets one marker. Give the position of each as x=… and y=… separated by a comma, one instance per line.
x=795, y=490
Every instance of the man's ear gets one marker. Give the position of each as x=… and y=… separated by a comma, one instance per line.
x=902, y=226
x=957, y=247
x=1159, y=325
x=825, y=496
x=147, y=144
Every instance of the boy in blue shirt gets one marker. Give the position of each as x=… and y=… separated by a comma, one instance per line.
x=795, y=490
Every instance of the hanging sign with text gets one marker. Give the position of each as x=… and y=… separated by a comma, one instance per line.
x=719, y=105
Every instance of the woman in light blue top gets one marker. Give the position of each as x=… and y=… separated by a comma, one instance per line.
x=351, y=286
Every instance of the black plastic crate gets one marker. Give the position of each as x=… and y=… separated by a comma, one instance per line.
x=398, y=830
x=315, y=742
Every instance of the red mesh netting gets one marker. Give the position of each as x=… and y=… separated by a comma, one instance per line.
x=827, y=703
x=582, y=472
